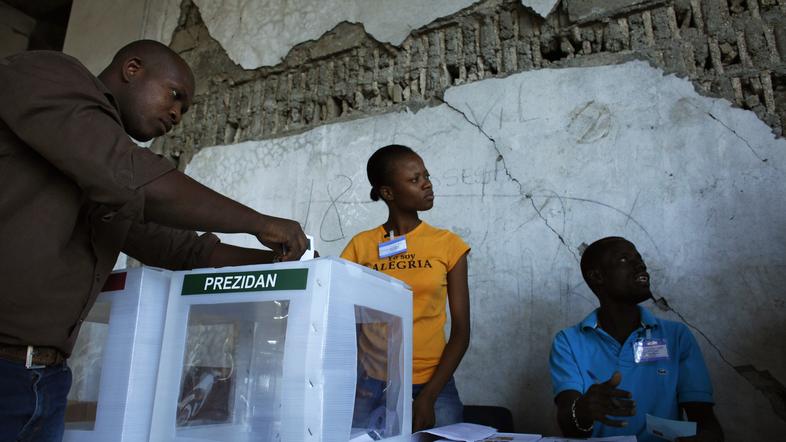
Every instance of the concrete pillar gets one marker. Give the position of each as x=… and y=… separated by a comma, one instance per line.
x=98, y=28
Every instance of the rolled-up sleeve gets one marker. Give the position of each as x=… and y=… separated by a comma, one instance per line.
x=170, y=248
x=63, y=113
x=694, y=383
x=565, y=371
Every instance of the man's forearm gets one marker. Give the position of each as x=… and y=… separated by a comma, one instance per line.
x=178, y=201
x=708, y=427
x=565, y=420
x=228, y=255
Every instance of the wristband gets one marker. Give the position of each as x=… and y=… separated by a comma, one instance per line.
x=576, y=420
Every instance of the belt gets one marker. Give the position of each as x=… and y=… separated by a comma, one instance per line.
x=33, y=357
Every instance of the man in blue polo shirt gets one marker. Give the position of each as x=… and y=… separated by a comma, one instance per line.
x=621, y=363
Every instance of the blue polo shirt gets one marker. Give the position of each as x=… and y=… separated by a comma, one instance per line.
x=657, y=387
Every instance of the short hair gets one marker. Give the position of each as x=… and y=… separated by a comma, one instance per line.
x=378, y=166
x=594, y=253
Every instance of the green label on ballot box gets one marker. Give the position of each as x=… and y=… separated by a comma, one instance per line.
x=209, y=283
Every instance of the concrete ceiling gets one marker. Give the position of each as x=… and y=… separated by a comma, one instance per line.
x=40, y=9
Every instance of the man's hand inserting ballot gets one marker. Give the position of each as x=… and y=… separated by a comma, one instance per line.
x=283, y=236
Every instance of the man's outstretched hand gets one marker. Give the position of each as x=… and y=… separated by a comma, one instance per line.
x=603, y=400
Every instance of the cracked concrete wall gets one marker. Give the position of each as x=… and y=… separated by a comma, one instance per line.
x=282, y=25
x=730, y=49
x=526, y=169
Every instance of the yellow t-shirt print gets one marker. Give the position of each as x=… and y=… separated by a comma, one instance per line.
x=431, y=254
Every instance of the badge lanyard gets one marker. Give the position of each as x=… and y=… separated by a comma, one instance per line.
x=392, y=247
x=650, y=350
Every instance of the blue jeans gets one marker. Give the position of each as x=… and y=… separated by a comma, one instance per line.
x=371, y=411
x=33, y=402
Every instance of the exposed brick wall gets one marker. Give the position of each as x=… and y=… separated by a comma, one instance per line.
x=735, y=49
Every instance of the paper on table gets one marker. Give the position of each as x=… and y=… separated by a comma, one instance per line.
x=513, y=437
x=506, y=437
x=669, y=429
x=457, y=432
x=593, y=439
x=363, y=437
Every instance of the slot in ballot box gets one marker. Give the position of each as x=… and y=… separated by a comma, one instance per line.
x=285, y=352
x=115, y=359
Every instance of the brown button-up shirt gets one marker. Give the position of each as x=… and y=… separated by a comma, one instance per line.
x=70, y=199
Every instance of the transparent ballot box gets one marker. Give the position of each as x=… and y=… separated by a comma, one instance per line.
x=115, y=359
x=285, y=352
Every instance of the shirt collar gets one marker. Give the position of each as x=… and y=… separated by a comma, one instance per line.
x=648, y=320
x=590, y=322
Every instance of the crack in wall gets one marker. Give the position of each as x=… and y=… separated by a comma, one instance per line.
x=663, y=304
x=756, y=154
x=501, y=158
x=546, y=222
x=763, y=380
x=771, y=388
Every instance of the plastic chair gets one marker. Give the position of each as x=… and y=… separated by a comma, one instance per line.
x=489, y=415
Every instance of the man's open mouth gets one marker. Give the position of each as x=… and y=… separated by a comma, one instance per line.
x=643, y=278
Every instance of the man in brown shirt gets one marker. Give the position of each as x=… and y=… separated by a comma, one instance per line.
x=75, y=191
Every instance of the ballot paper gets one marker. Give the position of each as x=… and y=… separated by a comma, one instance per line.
x=669, y=429
x=479, y=433
x=457, y=432
x=309, y=253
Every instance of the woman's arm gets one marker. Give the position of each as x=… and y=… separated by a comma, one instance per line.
x=458, y=300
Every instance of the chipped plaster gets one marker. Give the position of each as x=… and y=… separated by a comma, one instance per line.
x=261, y=32
x=541, y=7
x=282, y=25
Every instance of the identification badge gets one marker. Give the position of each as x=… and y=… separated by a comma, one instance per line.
x=393, y=247
x=650, y=350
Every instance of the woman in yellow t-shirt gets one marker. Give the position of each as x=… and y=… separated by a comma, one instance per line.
x=434, y=264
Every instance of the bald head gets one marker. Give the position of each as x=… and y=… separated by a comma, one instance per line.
x=156, y=55
x=152, y=85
